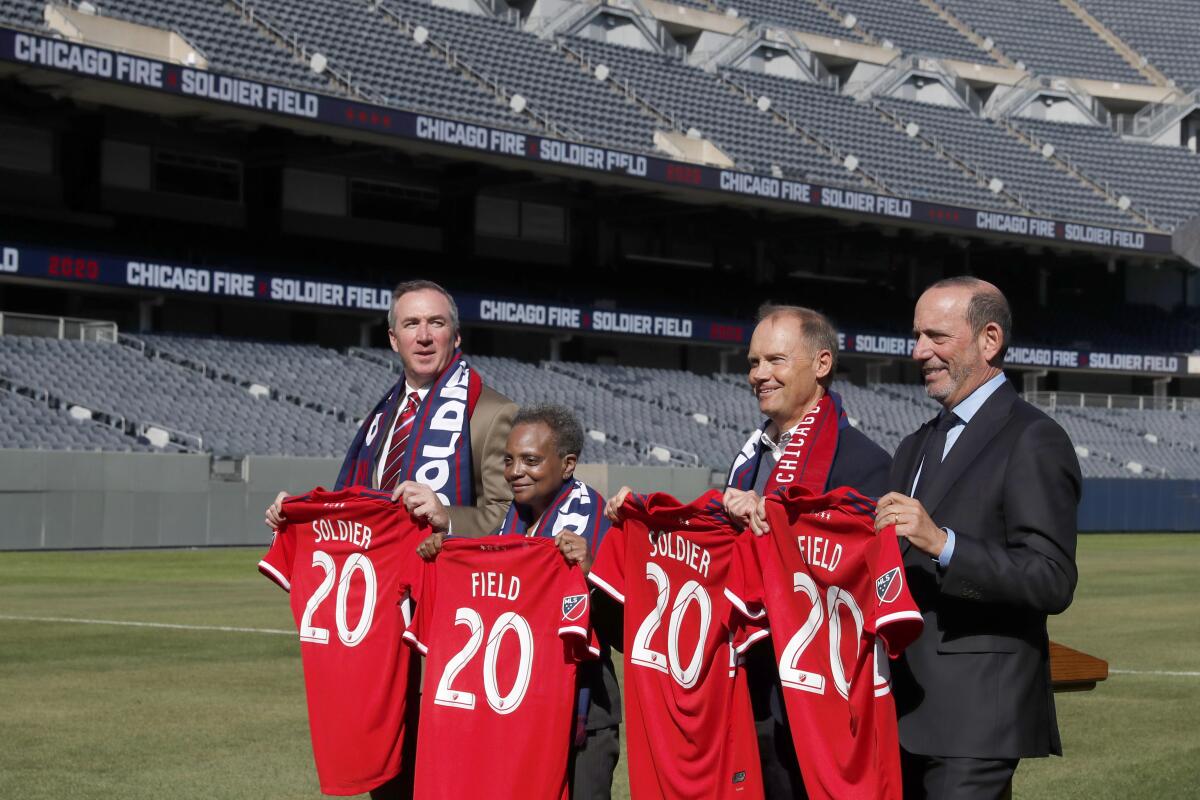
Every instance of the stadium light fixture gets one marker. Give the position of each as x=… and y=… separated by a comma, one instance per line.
x=420, y=34
x=517, y=103
x=850, y=163
x=764, y=103
x=318, y=63
x=601, y=72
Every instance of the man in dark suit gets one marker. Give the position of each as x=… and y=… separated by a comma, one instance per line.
x=984, y=500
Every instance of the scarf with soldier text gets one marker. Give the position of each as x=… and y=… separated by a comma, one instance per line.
x=438, y=452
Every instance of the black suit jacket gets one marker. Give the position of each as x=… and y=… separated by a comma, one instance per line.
x=977, y=681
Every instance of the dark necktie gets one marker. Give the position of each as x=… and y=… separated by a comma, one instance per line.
x=395, y=453
x=935, y=445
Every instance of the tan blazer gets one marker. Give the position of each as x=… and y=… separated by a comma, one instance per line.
x=490, y=424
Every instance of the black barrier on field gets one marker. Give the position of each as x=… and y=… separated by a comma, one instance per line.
x=1139, y=505
x=99, y=64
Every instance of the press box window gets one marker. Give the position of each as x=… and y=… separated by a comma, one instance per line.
x=198, y=176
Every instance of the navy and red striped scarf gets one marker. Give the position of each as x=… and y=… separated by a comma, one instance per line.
x=438, y=453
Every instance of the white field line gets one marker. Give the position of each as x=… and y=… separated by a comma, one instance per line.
x=132, y=624
x=278, y=632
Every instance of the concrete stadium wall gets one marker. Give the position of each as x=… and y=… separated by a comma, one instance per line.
x=63, y=500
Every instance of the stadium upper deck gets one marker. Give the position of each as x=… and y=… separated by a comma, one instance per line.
x=997, y=105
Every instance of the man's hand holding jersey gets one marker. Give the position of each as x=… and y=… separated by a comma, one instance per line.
x=912, y=522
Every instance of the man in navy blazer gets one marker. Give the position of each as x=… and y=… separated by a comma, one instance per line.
x=984, y=501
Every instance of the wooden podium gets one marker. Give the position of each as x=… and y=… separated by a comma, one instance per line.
x=1075, y=671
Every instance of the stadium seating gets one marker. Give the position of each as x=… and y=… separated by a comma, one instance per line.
x=906, y=165
x=28, y=424
x=699, y=100
x=1162, y=31
x=386, y=60
x=234, y=398
x=913, y=28
x=801, y=15
x=1000, y=154
x=372, y=43
x=209, y=415
x=1046, y=37
x=538, y=70
x=1162, y=180
x=230, y=43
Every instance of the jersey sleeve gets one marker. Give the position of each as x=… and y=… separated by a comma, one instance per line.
x=276, y=565
x=608, y=570
x=575, y=625
x=418, y=607
x=897, y=620
x=744, y=591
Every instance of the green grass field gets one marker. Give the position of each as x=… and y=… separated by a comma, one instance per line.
x=105, y=711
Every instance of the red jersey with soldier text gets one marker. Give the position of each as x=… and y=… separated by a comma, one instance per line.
x=346, y=558
x=839, y=607
x=689, y=585
x=502, y=622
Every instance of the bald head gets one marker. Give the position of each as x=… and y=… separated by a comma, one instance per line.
x=985, y=304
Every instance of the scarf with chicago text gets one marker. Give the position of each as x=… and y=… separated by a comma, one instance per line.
x=438, y=452
x=576, y=506
x=807, y=458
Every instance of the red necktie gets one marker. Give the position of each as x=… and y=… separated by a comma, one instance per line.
x=395, y=453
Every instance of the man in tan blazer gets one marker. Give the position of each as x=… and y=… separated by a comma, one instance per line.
x=423, y=331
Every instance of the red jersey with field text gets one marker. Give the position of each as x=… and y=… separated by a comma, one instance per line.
x=689, y=586
x=839, y=608
x=346, y=558
x=502, y=622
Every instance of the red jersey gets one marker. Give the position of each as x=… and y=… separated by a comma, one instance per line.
x=681, y=573
x=345, y=558
x=839, y=606
x=502, y=621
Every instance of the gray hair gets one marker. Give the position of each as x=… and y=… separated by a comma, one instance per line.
x=562, y=422
x=416, y=286
x=987, y=305
x=815, y=328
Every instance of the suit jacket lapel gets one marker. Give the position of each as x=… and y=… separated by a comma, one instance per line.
x=982, y=428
